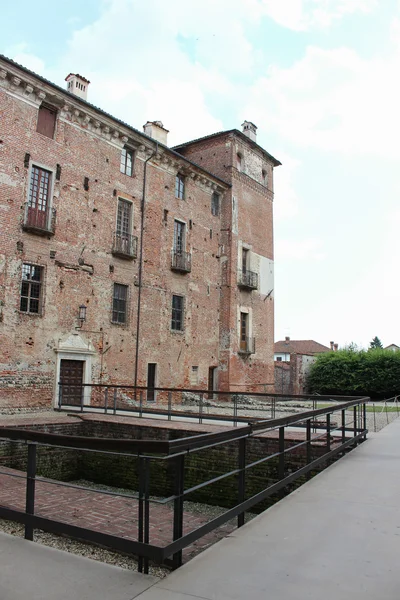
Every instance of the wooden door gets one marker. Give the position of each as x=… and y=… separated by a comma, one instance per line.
x=71, y=378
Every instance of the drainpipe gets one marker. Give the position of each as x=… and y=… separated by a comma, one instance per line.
x=142, y=207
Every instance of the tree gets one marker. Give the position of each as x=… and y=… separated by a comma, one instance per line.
x=375, y=344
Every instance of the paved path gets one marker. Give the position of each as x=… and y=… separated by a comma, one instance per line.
x=338, y=536
x=29, y=571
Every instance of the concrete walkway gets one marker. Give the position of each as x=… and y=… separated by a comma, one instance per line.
x=336, y=537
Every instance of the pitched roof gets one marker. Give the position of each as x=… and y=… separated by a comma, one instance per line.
x=238, y=133
x=299, y=347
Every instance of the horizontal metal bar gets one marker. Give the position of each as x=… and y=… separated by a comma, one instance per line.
x=84, y=443
x=222, y=392
x=81, y=533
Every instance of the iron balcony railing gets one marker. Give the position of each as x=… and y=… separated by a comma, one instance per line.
x=248, y=279
x=181, y=261
x=41, y=222
x=124, y=245
x=247, y=346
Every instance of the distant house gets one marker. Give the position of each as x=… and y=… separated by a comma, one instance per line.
x=284, y=348
x=392, y=347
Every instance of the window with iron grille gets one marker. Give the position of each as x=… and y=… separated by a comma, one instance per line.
x=177, y=313
x=46, y=122
x=120, y=304
x=124, y=217
x=179, y=237
x=215, y=204
x=127, y=162
x=31, y=289
x=180, y=186
x=39, y=195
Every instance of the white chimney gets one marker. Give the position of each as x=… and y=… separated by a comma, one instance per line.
x=250, y=130
x=157, y=131
x=78, y=85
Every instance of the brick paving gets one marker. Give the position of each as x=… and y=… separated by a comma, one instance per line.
x=115, y=515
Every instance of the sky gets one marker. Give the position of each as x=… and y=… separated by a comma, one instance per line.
x=320, y=79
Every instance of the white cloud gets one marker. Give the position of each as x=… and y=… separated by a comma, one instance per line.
x=299, y=250
x=303, y=15
x=286, y=204
x=333, y=100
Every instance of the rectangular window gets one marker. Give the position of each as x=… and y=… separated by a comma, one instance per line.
x=31, y=289
x=245, y=260
x=120, y=304
x=180, y=186
x=46, y=122
x=215, y=204
x=39, y=198
x=244, y=328
x=151, y=381
x=127, y=162
x=179, y=237
x=124, y=217
x=177, y=313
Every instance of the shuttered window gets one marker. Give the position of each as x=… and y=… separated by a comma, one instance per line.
x=46, y=122
x=177, y=313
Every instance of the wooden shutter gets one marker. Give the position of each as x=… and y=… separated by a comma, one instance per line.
x=46, y=121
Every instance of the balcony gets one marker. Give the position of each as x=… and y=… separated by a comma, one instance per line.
x=248, y=280
x=247, y=346
x=124, y=245
x=181, y=261
x=38, y=221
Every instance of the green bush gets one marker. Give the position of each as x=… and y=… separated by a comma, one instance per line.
x=375, y=373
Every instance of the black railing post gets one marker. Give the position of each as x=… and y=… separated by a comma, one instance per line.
x=146, y=510
x=200, y=408
x=281, y=464
x=141, y=403
x=355, y=423
x=241, y=478
x=235, y=409
x=365, y=419
x=169, y=405
x=343, y=426
x=30, y=487
x=178, y=506
x=141, y=509
x=115, y=401
x=328, y=432
x=82, y=396
x=308, y=445
x=105, y=400
x=59, y=395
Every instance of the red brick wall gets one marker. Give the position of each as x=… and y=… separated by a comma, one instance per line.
x=79, y=267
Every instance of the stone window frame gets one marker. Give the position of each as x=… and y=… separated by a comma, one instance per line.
x=180, y=186
x=124, y=323
x=126, y=152
x=41, y=284
x=182, y=317
x=38, y=165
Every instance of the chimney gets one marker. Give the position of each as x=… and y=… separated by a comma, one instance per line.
x=332, y=345
x=78, y=85
x=335, y=347
x=157, y=131
x=250, y=130
x=287, y=339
